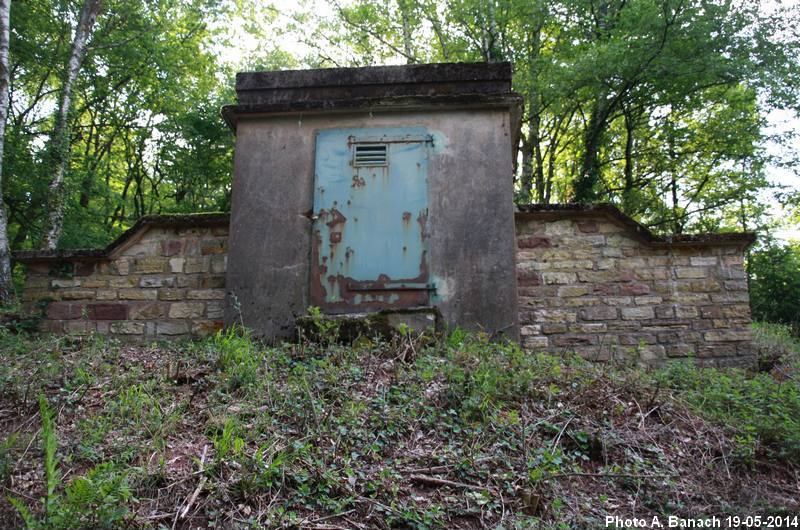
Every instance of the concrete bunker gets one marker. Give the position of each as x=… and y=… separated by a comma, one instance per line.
x=380, y=188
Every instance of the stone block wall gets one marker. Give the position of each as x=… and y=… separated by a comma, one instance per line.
x=163, y=279
x=592, y=280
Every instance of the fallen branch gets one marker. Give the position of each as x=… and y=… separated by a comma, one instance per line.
x=200, y=485
x=433, y=481
x=606, y=475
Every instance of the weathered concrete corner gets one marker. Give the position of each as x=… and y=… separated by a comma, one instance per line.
x=471, y=119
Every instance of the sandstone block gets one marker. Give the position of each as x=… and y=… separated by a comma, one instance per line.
x=618, y=300
x=731, y=297
x=205, y=294
x=137, y=294
x=571, y=341
x=79, y=327
x=651, y=352
x=588, y=327
x=599, y=313
x=686, y=311
x=122, y=266
x=665, y=312
x=168, y=327
x=638, y=313
x=187, y=280
x=216, y=281
x=535, y=342
x=176, y=264
x=213, y=246
x=648, y=300
x=64, y=311
x=157, y=281
x=732, y=285
x=741, y=311
x=219, y=264
x=205, y=328
x=527, y=277
x=727, y=335
x=150, y=311
x=126, y=327
x=150, y=264
x=553, y=315
x=171, y=294
x=703, y=261
x=215, y=310
x=530, y=329
x=634, y=339
x=196, y=265
x=574, y=290
x=64, y=283
x=553, y=328
x=107, y=311
x=186, y=310
x=551, y=278
x=562, y=227
x=77, y=294
x=95, y=283
x=573, y=264
x=171, y=247
x=690, y=272
x=634, y=288
x=128, y=281
x=612, y=252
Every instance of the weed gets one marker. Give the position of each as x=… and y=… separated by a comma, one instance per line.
x=94, y=500
x=239, y=359
x=764, y=412
x=326, y=330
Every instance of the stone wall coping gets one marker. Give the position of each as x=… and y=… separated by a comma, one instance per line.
x=551, y=211
x=375, y=75
x=638, y=230
x=406, y=103
x=126, y=239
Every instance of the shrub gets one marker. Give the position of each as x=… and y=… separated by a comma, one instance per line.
x=765, y=412
x=774, y=272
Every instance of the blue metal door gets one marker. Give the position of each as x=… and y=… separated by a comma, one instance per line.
x=370, y=214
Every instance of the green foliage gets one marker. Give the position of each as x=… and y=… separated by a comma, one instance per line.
x=326, y=329
x=94, y=500
x=776, y=344
x=774, y=272
x=764, y=412
x=239, y=357
x=321, y=431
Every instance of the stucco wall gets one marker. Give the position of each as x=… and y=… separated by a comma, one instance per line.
x=470, y=221
x=594, y=283
x=161, y=282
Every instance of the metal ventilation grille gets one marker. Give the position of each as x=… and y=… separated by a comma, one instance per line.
x=370, y=155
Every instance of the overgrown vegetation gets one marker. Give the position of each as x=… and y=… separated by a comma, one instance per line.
x=774, y=272
x=454, y=433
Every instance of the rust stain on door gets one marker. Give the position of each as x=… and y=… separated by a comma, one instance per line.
x=369, y=184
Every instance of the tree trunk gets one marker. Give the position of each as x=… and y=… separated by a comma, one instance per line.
x=408, y=46
x=628, y=196
x=59, y=142
x=6, y=286
x=526, y=178
x=589, y=176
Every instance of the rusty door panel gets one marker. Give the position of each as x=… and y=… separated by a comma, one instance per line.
x=370, y=240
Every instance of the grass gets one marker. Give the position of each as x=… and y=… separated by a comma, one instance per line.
x=454, y=433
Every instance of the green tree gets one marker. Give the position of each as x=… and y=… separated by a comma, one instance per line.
x=774, y=272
